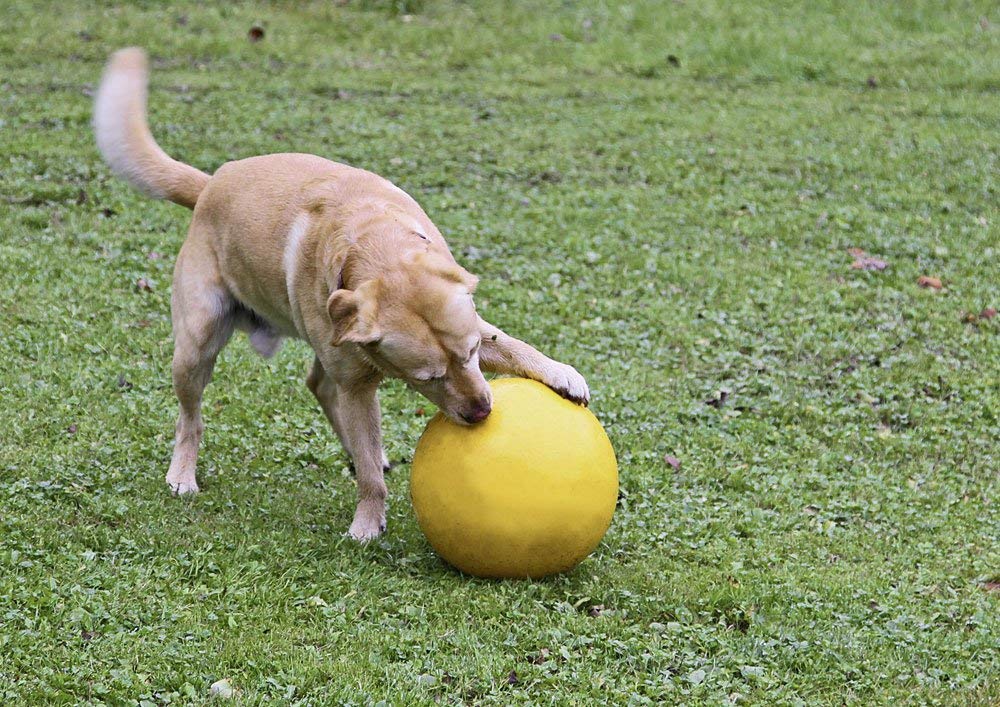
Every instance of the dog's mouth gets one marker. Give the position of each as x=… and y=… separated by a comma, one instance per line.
x=372, y=361
x=472, y=414
x=463, y=418
x=475, y=418
x=462, y=410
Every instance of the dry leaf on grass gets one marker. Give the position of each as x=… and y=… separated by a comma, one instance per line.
x=869, y=263
x=863, y=261
x=540, y=657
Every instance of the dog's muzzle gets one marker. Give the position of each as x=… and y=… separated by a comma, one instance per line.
x=478, y=412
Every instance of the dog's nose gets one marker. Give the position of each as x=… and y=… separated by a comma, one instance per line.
x=479, y=412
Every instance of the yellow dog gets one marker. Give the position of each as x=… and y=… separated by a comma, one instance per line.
x=296, y=245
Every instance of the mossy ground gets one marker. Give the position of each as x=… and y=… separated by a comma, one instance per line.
x=662, y=194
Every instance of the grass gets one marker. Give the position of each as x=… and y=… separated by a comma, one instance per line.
x=675, y=228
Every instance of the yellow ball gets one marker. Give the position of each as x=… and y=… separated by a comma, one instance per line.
x=527, y=493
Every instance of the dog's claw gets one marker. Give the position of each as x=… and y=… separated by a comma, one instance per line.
x=568, y=382
x=365, y=534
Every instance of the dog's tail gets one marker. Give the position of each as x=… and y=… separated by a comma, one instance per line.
x=124, y=139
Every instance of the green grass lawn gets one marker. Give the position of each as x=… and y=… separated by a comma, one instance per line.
x=662, y=194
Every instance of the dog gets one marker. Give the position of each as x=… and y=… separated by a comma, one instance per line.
x=294, y=245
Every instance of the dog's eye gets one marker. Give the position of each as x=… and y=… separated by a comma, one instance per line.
x=428, y=378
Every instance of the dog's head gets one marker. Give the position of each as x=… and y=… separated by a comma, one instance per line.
x=418, y=323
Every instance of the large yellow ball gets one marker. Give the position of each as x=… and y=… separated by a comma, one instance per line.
x=527, y=493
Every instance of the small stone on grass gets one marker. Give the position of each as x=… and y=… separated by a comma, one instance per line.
x=221, y=689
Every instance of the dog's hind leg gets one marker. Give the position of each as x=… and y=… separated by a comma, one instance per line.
x=322, y=386
x=202, y=311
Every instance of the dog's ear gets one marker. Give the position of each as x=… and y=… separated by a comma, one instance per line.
x=354, y=314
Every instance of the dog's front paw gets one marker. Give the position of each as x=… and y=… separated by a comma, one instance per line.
x=182, y=486
x=367, y=526
x=568, y=382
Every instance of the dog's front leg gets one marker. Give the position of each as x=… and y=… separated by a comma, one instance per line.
x=361, y=419
x=500, y=353
x=348, y=391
